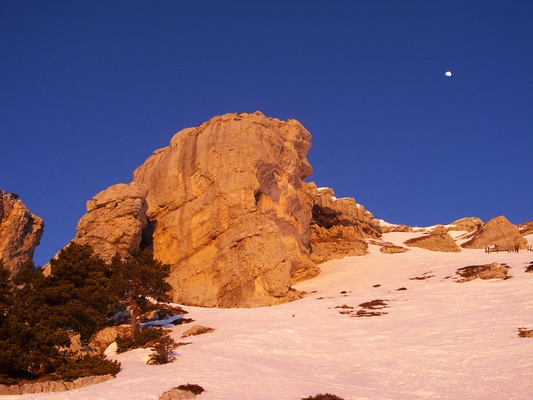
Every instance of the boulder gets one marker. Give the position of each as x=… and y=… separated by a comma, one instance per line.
x=177, y=394
x=102, y=339
x=20, y=232
x=498, y=231
x=487, y=271
x=229, y=210
x=339, y=227
x=434, y=242
x=114, y=221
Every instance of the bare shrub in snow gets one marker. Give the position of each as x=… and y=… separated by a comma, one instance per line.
x=325, y=396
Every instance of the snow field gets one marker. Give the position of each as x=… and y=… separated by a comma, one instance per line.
x=439, y=339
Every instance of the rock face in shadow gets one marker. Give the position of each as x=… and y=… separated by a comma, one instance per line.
x=339, y=227
x=20, y=232
x=498, y=231
x=114, y=221
x=230, y=211
x=434, y=242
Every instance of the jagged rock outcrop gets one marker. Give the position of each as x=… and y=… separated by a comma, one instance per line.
x=339, y=227
x=434, y=242
x=114, y=221
x=230, y=211
x=20, y=232
x=498, y=231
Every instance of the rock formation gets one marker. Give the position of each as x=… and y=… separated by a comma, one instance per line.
x=498, y=231
x=340, y=227
x=20, y=232
x=487, y=271
x=114, y=221
x=230, y=211
x=434, y=242
x=467, y=224
x=226, y=205
x=526, y=228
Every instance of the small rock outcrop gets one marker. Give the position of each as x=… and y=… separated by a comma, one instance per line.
x=230, y=211
x=102, y=339
x=498, y=231
x=339, y=227
x=20, y=232
x=468, y=224
x=526, y=228
x=434, y=242
x=52, y=386
x=114, y=221
x=487, y=271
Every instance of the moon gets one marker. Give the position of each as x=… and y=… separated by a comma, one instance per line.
x=448, y=73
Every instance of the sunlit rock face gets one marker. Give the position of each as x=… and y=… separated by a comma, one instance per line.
x=498, y=231
x=20, y=232
x=435, y=242
x=340, y=227
x=229, y=211
x=114, y=221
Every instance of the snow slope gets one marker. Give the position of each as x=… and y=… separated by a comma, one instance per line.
x=439, y=339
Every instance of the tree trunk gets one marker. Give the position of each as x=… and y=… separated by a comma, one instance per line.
x=134, y=314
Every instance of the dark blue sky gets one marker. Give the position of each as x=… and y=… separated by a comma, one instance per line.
x=88, y=89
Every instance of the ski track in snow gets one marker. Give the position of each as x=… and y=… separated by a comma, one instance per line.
x=439, y=339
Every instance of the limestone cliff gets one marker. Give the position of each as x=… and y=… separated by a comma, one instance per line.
x=226, y=205
x=20, y=232
x=230, y=212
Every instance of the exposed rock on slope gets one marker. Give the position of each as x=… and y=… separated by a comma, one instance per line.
x=340, y=227
x=435, y=242
x=498, y=231
x=487, y=271
x=526, y=228
x=114, y=221
x=467, y=224
x=20, y=232
x=230, y=212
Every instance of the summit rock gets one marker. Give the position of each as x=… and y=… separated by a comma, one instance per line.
x=230, y=212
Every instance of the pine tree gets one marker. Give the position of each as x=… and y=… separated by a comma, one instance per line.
x=78, y=289
x=137, y=279
x=163, y=351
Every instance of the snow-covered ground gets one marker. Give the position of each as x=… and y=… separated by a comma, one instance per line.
x=440, y=339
